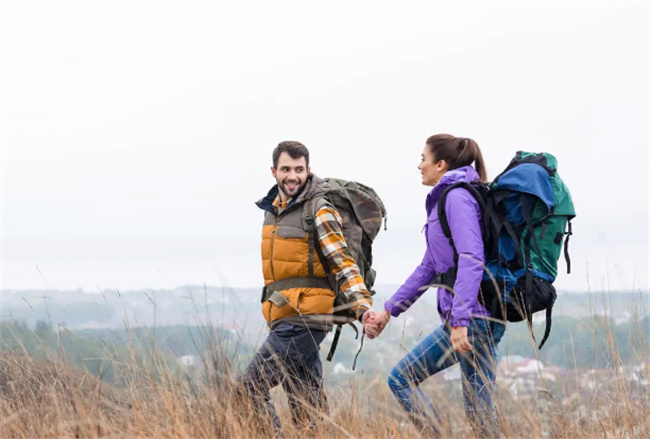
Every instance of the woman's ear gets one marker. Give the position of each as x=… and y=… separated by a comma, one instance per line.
x=441, y=166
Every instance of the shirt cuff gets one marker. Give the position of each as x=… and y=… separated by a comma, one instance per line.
x=455, y=321
x=392, y=309
x=361, y=310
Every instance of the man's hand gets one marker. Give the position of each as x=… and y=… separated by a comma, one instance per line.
x=375, y=323
x=459, y=341
x=368, y=317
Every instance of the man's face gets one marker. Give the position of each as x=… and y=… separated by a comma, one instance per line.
x=291, y=175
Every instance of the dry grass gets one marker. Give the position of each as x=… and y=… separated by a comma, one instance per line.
x=48, y=399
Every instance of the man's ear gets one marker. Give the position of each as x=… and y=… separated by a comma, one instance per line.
x=273, y=171
x=308, y=171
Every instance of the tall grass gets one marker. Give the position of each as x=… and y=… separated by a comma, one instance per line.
x=47, y=398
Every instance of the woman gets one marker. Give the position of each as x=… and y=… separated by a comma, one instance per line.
x=467, y=335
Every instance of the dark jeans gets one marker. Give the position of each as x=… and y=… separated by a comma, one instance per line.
x=478, y=367
x=289, y=356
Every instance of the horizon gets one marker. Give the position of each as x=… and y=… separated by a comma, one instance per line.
x=227, y=287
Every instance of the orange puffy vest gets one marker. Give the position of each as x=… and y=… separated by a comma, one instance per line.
x=286, y=259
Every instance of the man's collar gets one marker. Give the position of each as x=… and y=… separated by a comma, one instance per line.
x=266, y=203
x=277, y=202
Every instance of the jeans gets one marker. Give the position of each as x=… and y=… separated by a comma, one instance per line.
x=289, y=356
x=434, y=354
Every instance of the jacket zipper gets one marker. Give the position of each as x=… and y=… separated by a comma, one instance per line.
x=277, y=218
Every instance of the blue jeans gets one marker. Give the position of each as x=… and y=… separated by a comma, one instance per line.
x=434, y=354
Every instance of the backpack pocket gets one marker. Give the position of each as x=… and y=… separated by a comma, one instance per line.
x=549, y=236
x=540, y=296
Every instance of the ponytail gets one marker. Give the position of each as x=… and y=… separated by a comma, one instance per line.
x=457, y=152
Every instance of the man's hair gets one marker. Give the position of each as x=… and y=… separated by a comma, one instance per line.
x=293, y=148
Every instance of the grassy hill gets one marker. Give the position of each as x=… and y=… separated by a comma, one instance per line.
x=135, y=382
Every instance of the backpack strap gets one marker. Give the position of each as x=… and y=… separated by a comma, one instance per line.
x=449, y=277
x=530, y=235
x=492, y=224
x=335, y=342
x=295, y=282
x=442, y=217
x=310, y=220
x=337, y=335
x=527, y=293
x=442, y=214
x=547, y=331
x=528, y=285
x=495, y=220
x=529, y=224
x=566, y=247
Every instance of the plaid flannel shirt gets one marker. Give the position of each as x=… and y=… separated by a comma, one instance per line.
x=333, y=246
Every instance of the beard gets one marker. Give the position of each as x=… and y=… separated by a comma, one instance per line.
x=291, y=188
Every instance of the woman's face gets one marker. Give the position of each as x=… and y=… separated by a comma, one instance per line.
x=431, y=172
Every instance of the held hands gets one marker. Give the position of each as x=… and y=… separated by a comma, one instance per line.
x=459, y=341
x=374, y=322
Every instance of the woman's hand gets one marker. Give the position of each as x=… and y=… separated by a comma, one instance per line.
x=459, y=340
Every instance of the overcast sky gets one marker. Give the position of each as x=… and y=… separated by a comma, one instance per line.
x=136, y=136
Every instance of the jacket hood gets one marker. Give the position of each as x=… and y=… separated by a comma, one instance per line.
x=465, y=174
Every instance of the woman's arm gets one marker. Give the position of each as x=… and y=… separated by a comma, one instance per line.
x=417, y=283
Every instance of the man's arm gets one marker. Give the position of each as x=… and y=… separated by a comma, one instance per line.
x=335, y=249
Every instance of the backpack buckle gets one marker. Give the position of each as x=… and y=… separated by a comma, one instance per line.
x=278, y=299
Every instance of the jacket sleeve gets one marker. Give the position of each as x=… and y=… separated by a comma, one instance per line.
x=463, y=215
x=417, y=283
x=339, y=259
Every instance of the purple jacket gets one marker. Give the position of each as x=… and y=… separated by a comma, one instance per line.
x=464, y=217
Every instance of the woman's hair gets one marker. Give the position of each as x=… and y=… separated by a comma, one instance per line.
x=457, y=152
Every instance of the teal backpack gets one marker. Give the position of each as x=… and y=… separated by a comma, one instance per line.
x=526, y=213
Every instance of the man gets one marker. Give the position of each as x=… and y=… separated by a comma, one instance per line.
x=302, y=243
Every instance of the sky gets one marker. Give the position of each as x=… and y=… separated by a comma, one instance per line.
x=136, y=136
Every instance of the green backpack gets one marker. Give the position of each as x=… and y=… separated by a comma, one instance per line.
x=527, y=212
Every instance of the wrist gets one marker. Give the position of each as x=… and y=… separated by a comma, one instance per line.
x=363, y=313
x=459, y=322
